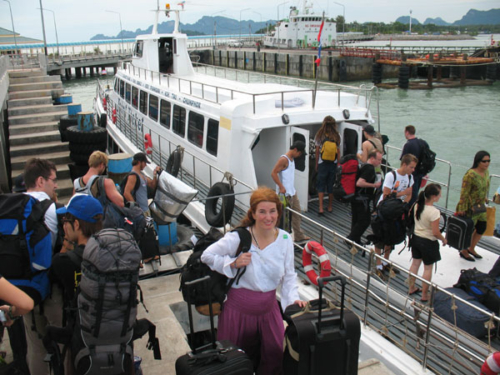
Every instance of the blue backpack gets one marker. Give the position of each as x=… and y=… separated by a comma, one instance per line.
x=25, y=242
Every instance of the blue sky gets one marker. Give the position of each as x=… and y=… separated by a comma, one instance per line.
x=80, y=20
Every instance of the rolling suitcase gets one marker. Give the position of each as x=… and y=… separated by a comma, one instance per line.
x=459, y=232
x=321, y=338
x=218, y=357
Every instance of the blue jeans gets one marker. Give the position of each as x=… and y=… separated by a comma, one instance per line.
x=326, y=177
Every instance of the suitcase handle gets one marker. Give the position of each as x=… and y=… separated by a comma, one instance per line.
x=190, y=313
x=321, y=285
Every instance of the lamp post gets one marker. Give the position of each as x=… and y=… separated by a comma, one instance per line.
x=215, y=27
x=43, y=29
x=278, y=20
x=410, y=21
x=343, y=24
x=121, y=30
x=12, y=20
x=55, y=27
x=241, y=11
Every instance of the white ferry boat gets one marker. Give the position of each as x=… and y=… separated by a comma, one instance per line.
x=301, y=30
x=224, y=136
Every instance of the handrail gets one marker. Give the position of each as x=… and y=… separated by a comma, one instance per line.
x=323, y=86
x=399, y=308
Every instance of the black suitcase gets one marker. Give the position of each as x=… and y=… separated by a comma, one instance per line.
x=321, y=338
x=459, y=232
x=218, y=357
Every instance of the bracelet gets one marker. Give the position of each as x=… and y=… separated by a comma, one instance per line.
x=12, y=317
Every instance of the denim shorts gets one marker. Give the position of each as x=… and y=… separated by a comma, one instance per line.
x=326, y=176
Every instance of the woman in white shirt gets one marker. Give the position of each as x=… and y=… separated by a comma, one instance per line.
x=425, y=246
x=251, y=318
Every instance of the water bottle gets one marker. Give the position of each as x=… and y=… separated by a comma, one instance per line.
x=137, y=365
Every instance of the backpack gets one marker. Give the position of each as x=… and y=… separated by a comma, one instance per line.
x=107, y=303
x=427, y=159
x=25, y=242
x=389, y=222
x=195, y=269
x=136, y=186
x=344, y=187
x=329, y=150
x=131, y=218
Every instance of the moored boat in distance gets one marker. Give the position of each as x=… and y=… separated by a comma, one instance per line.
x=301, y=30
x=224, y=136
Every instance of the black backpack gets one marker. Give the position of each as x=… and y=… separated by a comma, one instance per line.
x=218, y=286
x=25, y=243
x=136, y=186
x=427, y=159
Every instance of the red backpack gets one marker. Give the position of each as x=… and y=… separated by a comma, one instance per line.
x=344, y=187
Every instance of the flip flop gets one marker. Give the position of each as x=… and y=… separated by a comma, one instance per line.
x=416, y=291
x=424, y=300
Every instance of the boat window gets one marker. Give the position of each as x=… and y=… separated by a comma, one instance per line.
x=127, y=92
x=179, y=123
x=153, y=107
x=175, y=46
x=195, y=128
x=165, y=113
x=143, y=103
x=122, y=89
x=138, y=48
x=350, y=140
x=212, y=136
x=135, y=96
x=117, y=85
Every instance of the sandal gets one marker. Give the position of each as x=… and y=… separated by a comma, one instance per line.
x=416, y=291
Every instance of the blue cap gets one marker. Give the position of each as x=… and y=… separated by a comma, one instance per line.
x=83, y=207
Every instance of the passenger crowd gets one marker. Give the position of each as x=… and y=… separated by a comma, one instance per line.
x=251, y=318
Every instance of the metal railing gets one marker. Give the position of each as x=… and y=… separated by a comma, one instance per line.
x=216, y=93
x=408, y=323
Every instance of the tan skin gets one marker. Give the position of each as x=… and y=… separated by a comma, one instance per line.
x=281, y=165
x=405, y=169
x=131, y=181
x=21, y=303
x=366, y=147
x=109, y=186
x=265, y=232
x=481, y=169
x=415, y=265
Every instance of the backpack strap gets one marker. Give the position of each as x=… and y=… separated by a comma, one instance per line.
x=137, y=183
x=101, y=191
x=245, y=244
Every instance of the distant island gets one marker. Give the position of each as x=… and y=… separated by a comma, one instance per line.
x=473, y=22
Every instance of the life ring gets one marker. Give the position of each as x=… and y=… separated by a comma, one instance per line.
x=225, y=192
x=325, y=266
x=148, y=144
x=174, y=163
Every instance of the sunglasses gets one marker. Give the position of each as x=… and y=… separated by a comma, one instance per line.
x=486, y=161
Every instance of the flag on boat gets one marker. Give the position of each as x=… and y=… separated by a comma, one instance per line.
x=182, y=4
x=318, y=60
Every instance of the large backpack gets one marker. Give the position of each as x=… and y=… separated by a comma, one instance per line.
x=136, y=186
x=427, y=159
x=131, y=218
x=107, y=304
x=195, y=269
x=344, y=187
x=329, y=150
x=25, y=242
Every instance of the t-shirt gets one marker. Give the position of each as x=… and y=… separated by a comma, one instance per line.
x=423, y=227
x=367, y=173
x=412, y=146
x=402, y=183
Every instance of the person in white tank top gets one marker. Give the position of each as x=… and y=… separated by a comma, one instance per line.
x=283, y=175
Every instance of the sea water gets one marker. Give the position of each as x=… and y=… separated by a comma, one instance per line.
x=455, y=122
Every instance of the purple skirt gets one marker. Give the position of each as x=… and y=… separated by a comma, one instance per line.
x=252, y=321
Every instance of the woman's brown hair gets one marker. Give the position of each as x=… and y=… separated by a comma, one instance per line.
x=261, y=194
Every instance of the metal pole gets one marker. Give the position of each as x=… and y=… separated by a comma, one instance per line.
x=121, y=30
x=277, y=26
x=13, y=29
x=55, y=27
x=240, y=24
x=43, y=29
x=343, y=24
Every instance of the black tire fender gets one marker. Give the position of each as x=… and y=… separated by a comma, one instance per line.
x=174, y=163
x=216, y=218
x=86, y=149
x=96, y=135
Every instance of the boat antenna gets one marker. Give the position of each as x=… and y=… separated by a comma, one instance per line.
x=318, y=61
x=167, y=13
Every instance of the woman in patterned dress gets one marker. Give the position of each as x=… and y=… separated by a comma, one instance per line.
x=475, y=185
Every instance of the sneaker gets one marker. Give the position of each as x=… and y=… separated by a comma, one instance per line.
x=387, y=268
x=381, y=274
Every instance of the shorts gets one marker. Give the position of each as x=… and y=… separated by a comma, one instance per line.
x=425, y=249
x=480, y=227
x=382, y=245
x=326, y=176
